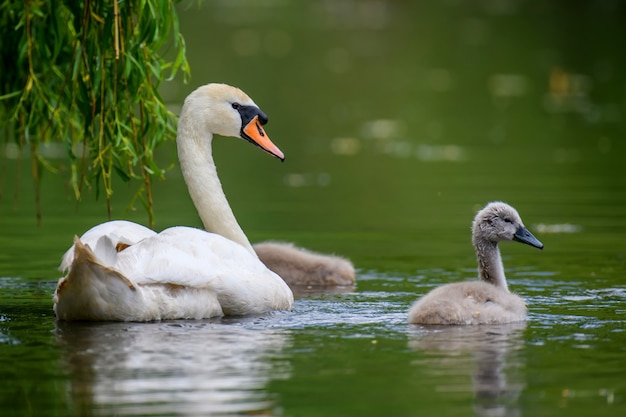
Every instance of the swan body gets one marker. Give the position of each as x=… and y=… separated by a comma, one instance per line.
x=203, y=275
x=300, y=267
x=487, y=301
x=123, y=271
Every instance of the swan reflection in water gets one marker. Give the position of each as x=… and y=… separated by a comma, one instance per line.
x=172, y=368
x=491, y=354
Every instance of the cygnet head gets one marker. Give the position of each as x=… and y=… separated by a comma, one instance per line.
x=500, y=222
x=227, y=111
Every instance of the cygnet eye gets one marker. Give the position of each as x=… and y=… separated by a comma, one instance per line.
x=508, y=220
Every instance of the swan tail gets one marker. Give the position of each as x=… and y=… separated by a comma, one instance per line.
x=67, y=259
x=104, y=248
x=91, y=290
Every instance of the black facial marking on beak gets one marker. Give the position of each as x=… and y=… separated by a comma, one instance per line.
x=247, y=113
x=252, y=120
x=523, y=235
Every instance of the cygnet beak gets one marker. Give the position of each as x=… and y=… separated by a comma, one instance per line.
x=523, y=235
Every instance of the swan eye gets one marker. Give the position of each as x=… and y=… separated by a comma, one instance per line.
x=236, y=106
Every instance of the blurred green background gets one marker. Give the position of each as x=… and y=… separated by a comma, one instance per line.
x=398, y=121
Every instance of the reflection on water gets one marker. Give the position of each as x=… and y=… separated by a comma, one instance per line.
x=390, y=137
x=182, y=368
x=493, y=354
x=557, y=228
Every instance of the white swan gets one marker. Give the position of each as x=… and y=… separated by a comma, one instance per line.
x=298, y=267
x=123, y=271
x=487, y=301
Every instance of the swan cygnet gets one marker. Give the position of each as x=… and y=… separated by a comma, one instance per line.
x=122, y=271
x=487, y=301
x=300, y=267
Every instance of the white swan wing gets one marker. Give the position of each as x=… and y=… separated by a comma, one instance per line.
x=118, y=231
x=192, y=258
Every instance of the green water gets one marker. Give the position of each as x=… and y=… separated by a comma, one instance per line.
x=398, y=120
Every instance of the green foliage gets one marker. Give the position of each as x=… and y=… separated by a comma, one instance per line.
x=86, y=74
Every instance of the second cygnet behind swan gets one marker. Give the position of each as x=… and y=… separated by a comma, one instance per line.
x=487, y=301
x=300, y=267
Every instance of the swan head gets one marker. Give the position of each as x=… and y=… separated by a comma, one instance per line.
x=227, y=111
x=498, y=222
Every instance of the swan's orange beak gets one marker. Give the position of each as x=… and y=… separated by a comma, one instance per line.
x=254, y=132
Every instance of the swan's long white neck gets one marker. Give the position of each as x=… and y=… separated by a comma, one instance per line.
x=198, y=168
x=490, y=268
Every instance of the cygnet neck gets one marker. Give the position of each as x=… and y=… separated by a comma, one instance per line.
x=200, y=174
x=490, y=268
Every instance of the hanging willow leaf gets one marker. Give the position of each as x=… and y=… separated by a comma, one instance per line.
x=85, y=74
